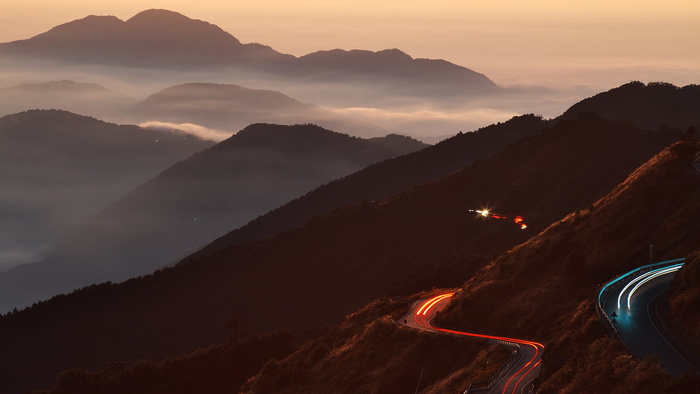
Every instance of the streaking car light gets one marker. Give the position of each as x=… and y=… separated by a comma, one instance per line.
x=647, y=279
x=664, y=270
x=518, y=220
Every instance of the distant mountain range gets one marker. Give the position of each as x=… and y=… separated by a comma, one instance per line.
x=57, y=168
x=153, y=38
x=193, y=202
x=169, y=41
x=365, y=92
x=224, y=108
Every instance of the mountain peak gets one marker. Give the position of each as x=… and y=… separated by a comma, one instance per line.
x=155, y=15
x=165, y=23
x=395, y=53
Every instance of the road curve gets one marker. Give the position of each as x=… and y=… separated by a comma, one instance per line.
x=631, y=306
x=521, y=375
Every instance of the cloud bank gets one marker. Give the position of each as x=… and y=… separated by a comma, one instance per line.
x=196, y=130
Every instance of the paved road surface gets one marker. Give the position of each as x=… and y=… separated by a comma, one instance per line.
x=639, y=325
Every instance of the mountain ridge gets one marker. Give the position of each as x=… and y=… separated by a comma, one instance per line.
x=192, y=202
x=183, y=42
x=650, y=105
x=522, y=126
x=383, y=180
x=59, y=167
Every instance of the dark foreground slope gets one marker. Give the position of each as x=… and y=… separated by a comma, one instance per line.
x=218, y=369
x=403, y=360
x=657, y=204
x=195, y=201
x=682, y=304
x=542, y=290
x=57, y=168
x=337, y=262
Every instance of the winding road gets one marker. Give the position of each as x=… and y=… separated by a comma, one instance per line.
x=519, y=377
x=631, y=307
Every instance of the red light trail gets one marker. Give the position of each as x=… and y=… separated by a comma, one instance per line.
x=518, y=220
x=422, y=317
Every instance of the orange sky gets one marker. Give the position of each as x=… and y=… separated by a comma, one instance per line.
x=550, y=43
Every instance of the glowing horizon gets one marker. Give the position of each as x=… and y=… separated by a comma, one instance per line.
x=545, y=42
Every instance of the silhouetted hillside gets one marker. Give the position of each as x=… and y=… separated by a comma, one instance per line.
x=650, y=105
x=180, y=103
x=84, y=98
x=152, y=38
x=382, y=180
x=436, y=76
x=313, y=275
x=193, y=202
x=56, y=168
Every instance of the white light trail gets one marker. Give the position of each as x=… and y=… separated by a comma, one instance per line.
x=641, y=277
x=659, y=273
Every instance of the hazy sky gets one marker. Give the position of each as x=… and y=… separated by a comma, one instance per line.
x=603, y=42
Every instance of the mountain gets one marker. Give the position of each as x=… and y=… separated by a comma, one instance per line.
x=198, y=102
x=425, y=74
x=193, y=202
x=383, y=180
x=84, y=98
x=649, y=105
x=334, y=263
x=57, y=168
x=167, y=41
x=152, y=38
x=358, y=89
x=542, y=290
x=232, y=107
